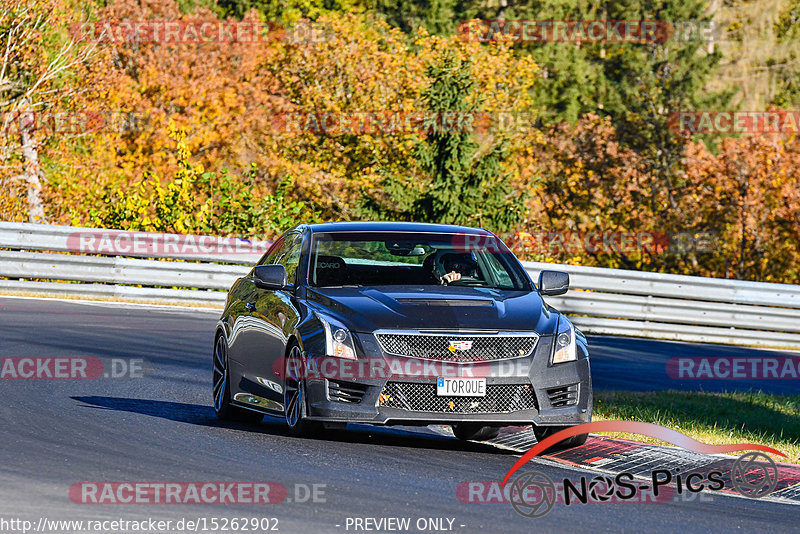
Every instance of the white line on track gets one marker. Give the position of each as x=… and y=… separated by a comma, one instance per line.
x=121, y=304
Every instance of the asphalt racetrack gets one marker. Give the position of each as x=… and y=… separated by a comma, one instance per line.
x=161, y=428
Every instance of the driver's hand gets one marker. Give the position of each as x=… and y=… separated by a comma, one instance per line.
x=452, y=276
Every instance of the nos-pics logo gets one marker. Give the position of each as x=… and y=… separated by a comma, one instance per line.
x=533, y=493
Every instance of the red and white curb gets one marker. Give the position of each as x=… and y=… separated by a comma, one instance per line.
x=607, y=455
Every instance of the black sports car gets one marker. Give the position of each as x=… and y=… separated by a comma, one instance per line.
x=399, y=323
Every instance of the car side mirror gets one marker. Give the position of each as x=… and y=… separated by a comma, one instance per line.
x=270, y=276
x=553, y=282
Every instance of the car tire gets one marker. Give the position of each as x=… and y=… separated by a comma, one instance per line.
x=475, y=432
x=542, y=432
x=295, y=405
x=221, y=388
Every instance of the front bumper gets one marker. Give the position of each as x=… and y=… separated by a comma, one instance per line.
x=521, y=391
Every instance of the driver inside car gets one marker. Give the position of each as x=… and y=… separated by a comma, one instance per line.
x=450, y=267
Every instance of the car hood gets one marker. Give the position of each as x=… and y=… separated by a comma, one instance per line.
x=366, y=309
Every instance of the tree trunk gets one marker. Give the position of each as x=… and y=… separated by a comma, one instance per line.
x=501, y=11
x=31, y=174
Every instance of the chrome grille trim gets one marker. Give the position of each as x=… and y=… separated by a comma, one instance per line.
x=433, y=345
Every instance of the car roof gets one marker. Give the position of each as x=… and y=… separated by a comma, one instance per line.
x=387, y=226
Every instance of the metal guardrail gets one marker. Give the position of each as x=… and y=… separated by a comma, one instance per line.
x=26, y=236
x=600, y=301
x=678, y=307
x=97, y=262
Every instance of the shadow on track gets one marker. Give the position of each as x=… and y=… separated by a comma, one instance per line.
x=201, y=415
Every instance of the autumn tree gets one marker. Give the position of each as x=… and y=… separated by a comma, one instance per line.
x=39, y=62
x=219, y=90
x=195, y=201
x=370, y=77
x=591, y=184
x=747, y=196
x=343, y=93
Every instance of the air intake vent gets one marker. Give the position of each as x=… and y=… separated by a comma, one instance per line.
x=563, y=396
x=346, y=392
x=418, y=397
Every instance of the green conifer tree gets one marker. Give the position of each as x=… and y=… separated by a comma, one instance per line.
x=467, y=187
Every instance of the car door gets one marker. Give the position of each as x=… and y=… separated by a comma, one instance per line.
x=272, y=316
x=245, y=340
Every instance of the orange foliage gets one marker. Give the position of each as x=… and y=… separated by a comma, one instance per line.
x=748, y=195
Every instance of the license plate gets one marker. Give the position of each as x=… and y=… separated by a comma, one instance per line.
x=461, y=387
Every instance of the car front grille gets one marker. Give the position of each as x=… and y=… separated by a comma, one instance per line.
x=458, y=347
x=418, y=397
x=563, y=396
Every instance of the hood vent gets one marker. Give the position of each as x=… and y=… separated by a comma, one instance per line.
x=447, y=302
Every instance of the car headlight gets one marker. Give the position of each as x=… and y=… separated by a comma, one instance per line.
x=338, y=341
x=565, y=349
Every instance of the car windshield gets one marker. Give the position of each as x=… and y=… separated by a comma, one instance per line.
x=421, y=259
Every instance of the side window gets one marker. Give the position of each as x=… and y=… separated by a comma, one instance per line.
x=273, y=253
x=290, y=256
x=285, y=251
